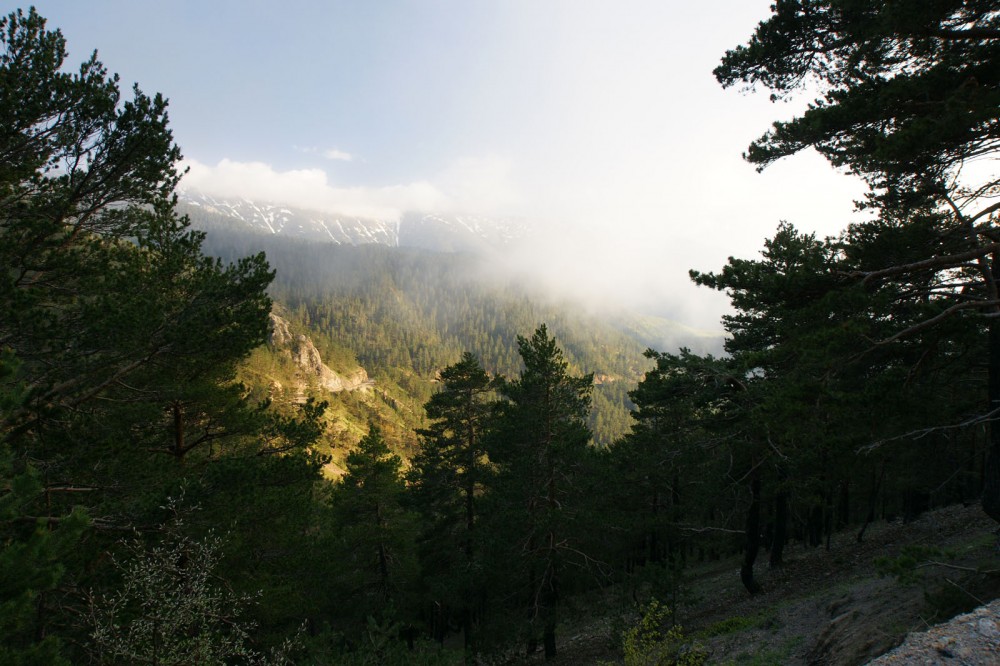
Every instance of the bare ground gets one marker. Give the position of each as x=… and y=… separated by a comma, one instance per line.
x=830, y=608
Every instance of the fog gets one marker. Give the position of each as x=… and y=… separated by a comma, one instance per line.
x=602, y=252
x=599, y=124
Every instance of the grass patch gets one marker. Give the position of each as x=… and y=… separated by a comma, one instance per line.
x=731, y=625
x=770, y=657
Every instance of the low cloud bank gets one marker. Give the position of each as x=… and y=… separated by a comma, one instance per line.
x=309, y=189
x=470, y=185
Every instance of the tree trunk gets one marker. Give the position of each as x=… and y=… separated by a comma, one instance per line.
x=752, y=535
x=549, y=598
x=383, y=559
x=844, y=505
x=470, y=521
x=780, y=534
x=654, y=542
x=828, y=517
x=675, y=548
x=178, y=448
x=872, y=502
x=814, y=527
x=991, y=480
x=467, y=630
x=549, y=639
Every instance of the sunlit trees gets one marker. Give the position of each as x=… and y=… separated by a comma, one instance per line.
x=116, y=319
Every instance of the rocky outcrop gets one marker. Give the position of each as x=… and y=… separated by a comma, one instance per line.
x=972, y=639
x=311, y=368
x=279, y=335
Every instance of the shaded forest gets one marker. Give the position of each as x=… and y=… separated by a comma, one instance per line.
x=154, y=509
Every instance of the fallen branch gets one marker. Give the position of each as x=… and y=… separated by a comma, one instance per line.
x=935, y=563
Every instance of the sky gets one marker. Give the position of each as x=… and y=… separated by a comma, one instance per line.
x=597, y=122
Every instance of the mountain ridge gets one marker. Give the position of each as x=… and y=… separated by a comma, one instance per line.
x=404, y=313
x=430, y=231
x=481, y=236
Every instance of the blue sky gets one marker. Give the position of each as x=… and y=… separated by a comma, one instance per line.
x=598, y=121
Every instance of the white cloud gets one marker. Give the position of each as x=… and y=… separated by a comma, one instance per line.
x=469, y=185
x=481, y=185
x=328, y=153
x=310, y=189
x=335, y=154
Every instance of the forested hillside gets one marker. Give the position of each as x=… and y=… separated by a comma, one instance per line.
x=405, y=314
x=168, y=400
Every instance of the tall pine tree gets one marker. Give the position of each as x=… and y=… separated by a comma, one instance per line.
x=539, y=448
x=447, y=479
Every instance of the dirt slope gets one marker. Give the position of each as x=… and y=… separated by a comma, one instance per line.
x=830, y=608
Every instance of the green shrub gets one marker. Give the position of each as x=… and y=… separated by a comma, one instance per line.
x=648, y=644
x=731, y=625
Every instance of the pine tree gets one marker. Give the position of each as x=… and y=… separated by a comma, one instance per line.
x=446, y=480
x=119, y=339
x=539, y=448
x=909, y=95
x=375, y=534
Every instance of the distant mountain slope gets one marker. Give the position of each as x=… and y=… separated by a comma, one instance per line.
x=477, y=235
x=459, y=233
x=267, y=218
x=667, y=335
x=439, y=233
x=405, y=314
x=446, y=233
x=405, y=300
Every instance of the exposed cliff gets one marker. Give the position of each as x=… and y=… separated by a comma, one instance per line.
x=310, y=368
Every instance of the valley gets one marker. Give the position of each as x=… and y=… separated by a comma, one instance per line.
x=402, y=312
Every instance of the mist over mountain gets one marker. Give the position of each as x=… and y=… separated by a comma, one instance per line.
x=500, y=251
x=404, y=300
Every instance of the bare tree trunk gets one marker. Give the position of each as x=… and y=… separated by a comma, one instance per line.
x=531, y=645
x=752, y=535
x=828, y=517
x=178, y=448
x=872, y=503
x=780, y=521
x=549, y=601
x=991, y=480
x=470, y=522
x=843, y=505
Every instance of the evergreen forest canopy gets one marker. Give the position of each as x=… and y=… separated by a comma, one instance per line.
x=153, y=508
